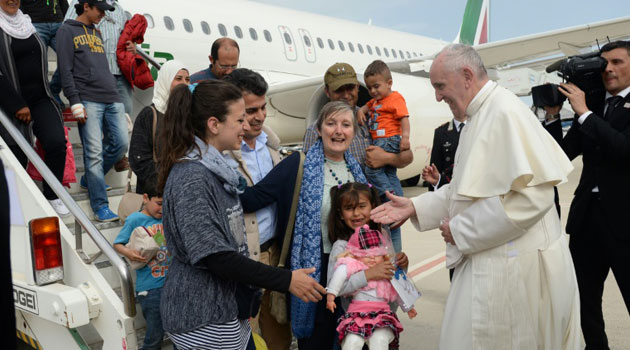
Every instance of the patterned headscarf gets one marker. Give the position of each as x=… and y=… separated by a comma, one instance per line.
x=366, y=242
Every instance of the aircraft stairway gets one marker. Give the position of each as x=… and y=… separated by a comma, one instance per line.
x=118, y=183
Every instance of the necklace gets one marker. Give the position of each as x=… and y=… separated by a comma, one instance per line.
x=327, y=163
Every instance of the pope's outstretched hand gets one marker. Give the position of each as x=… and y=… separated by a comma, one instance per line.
x=396, y=210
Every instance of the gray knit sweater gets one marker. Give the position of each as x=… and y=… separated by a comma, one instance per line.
x=199, y=218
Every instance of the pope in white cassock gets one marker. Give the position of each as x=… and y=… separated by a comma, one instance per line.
x=514, y=285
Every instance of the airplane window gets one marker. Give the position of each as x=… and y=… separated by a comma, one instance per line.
x=168, y=22
x=187, y=25
x=150, y=22
x=238, y=32
x=287, y=39
x=394, y=54
x=378, y=50
x=307, y=41
x=369, y=48
x=331, y=44
x=350, y=46
x=360, y=48
x=267, y=35
x=415, y=54
x=222, y=29
x=205, y=27
x=386, y=51
x=253, y=34
x=128, y=15
x=408, y=54
x=341, y=46
x=320, y=42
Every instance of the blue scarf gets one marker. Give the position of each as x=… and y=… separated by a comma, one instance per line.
x=307, y=235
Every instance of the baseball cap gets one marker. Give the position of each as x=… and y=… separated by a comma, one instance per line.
x=105, y=5
x=340, y=74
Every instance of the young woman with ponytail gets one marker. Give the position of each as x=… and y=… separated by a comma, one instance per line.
x=203, y=223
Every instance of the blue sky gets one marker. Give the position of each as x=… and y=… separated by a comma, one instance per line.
x=441, y=19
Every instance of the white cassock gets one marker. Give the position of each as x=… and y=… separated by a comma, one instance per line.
x=514, y=285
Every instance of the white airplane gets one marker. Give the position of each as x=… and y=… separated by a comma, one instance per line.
x=293, y=49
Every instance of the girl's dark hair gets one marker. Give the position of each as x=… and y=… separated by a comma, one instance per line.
x=187, y=116
x=348, y=194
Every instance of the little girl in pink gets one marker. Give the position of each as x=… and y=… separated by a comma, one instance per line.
x=369, y=318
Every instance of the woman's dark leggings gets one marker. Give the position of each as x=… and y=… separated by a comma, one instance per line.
x=48, y=128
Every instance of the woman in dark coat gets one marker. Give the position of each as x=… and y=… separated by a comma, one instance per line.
x=26, y=95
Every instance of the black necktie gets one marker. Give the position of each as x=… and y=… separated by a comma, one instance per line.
x=611, y=102
x=461, y=126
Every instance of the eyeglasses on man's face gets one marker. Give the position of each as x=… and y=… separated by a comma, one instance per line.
x=226, y=66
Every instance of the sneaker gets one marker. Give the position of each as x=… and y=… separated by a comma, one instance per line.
x=105, y=215
x=83, y=184
x=122, y=164
x=59, y=207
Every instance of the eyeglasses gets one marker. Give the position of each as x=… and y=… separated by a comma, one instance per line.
x=221, y=66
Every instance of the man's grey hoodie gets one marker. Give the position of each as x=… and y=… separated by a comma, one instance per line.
x=82, y=65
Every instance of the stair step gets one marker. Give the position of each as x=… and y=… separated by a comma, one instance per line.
x=83, y=195
x=101, y=226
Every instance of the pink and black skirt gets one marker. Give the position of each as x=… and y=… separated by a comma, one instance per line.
x=363, y=317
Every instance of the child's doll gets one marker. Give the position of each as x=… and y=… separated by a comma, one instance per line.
x=369, y=318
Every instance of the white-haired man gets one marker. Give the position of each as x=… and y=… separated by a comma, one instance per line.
x=514, y=285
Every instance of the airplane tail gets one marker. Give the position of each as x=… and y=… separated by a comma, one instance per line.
x=475, y=27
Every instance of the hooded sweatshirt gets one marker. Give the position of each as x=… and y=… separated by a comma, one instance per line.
x=82, y=64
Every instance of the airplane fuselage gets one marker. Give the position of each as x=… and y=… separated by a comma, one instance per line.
x=288, y=46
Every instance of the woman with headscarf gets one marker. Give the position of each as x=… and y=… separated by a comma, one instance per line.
x=25, y=93
x=142, y=145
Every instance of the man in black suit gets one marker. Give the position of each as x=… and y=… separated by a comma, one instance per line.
x=445, y=141
x=597, y=219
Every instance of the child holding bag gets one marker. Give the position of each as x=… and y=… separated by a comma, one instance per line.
x=150, y=277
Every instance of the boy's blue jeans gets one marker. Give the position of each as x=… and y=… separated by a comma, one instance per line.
x=385, y=179
x=105, y=140
x=150, y=304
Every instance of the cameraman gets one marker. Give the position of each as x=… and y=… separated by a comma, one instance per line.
x=597, y=218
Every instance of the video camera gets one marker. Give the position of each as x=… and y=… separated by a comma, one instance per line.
x=582, y=70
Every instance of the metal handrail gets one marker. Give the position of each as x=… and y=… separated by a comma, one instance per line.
x=148, y=58
x=117, y=262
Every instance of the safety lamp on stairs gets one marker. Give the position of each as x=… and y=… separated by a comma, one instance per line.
x=46, y=250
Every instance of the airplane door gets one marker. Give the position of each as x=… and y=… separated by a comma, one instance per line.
x=309, y=46
x=289, y=44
